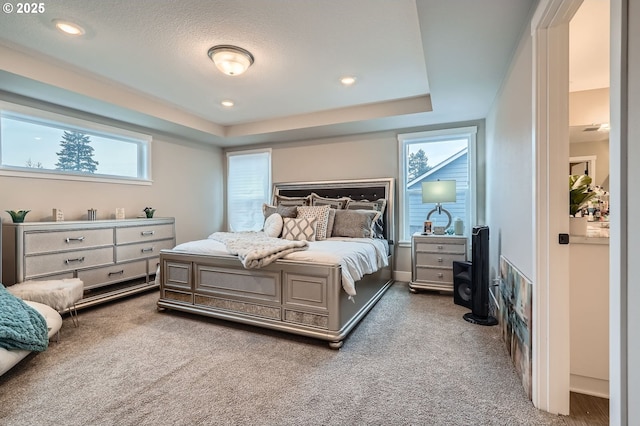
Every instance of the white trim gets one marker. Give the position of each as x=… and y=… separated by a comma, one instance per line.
x=469, y=133
x=550, y=122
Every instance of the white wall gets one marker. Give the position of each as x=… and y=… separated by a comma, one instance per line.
x=187, y=185
x=509, y=167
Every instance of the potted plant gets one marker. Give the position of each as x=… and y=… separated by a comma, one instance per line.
x=17, y=216
x=149, y=211
x=579, y=197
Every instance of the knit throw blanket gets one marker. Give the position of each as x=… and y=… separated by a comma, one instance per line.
x=21, y=326
x=256, y=249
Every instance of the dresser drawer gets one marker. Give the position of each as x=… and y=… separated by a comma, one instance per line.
x=98, y=277
x=44, y=242
x=434, y=275
x=142, y=250
x=67, y=261
x=443, y=260
x=134, y=234
x=421, y=246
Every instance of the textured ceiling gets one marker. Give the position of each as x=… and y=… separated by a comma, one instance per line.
x=145, y=62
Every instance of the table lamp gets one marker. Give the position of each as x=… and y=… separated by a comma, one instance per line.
x=439, y=191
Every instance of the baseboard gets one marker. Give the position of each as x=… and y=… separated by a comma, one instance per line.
x=402, y=276
x=589, y=386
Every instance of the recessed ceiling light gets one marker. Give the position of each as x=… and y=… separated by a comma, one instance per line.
x=68, y=27
x=227, y=103
x=348, y=81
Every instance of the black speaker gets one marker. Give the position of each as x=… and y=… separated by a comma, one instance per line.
x=462, y=284
x=480, y=278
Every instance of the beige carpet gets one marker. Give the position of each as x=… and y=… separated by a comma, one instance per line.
x=412, y=361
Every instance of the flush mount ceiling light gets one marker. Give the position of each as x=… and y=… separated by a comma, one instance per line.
x=68, y=28
x=227, y=103
x=348, y=80
x=231, y=60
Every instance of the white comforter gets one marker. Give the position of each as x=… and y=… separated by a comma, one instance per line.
x=356, y=256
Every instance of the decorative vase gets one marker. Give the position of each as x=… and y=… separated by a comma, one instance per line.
x=578, y=226
x=18, y=216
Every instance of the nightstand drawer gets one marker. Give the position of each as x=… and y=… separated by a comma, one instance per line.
x=429, y=247
x=434, y=275
x=443, y=260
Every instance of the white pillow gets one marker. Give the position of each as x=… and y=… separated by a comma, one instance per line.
x=273, y=225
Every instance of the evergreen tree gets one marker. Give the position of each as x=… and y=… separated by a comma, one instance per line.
x=76, y=154
x=418, y=165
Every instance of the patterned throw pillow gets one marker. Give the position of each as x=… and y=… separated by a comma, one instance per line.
x=378, y=205
x=300, y=229
x=321, y=213
x=291, y=201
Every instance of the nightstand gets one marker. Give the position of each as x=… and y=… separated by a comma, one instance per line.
x=432, y=258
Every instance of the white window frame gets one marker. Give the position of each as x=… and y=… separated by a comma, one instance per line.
x=39, y=116
x=269, y=177
x=404, y=140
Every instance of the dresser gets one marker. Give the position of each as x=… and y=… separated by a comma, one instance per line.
x=432, y=258
x=113, y=258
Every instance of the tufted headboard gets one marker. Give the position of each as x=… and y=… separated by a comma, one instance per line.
x=362, y=189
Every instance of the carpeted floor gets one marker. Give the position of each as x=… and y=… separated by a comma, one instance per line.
x=412, y=361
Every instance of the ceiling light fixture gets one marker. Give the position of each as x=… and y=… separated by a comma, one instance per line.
x=231, y=60
x=68, y=27
x=227, y=103
x=347, y=81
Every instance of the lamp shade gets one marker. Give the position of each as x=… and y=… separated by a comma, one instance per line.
x=439, y=191
x=231, y=60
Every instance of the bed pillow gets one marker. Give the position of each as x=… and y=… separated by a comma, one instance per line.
x=377, y=205
x=321, y=213
x=330, y=221
x=335, y=203
x=299, y=229
x=273, y=225
x=355, y=223
x=284, y=211
x=291, y=201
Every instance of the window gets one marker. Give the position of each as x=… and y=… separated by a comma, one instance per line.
x=430, y=156
x=248, y=187
x=41, y=144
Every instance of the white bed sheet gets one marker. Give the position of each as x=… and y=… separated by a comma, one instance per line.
x=356, y=256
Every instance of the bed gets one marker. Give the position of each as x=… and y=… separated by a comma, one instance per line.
x=297, y=293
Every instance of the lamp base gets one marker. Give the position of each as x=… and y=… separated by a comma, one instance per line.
x=441, y=210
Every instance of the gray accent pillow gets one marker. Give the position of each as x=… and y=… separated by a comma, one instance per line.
x=332, y=218
x=284, y=211
x=378, y=205
x=291, y=201
x=354, y=223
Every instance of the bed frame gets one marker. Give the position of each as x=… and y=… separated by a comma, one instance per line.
x=290, y=296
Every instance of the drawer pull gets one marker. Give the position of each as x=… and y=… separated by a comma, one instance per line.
x=120, y=272
x=440, y=247
x=145, y=233
x=147, y=250
x=77, y=259
x=440, y=260
x=440, y=275
x=68, y=240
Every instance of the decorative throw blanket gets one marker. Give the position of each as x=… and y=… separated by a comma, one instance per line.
x=256, y=249
x=21, y=326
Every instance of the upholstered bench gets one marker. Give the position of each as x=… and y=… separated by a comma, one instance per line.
x=9, y=358
x=61, y=295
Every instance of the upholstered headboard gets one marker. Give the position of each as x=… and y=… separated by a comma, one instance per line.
x=364, y=189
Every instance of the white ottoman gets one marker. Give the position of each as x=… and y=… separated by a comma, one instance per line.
x=61, y=295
